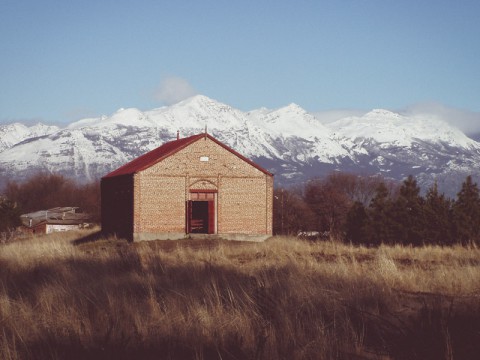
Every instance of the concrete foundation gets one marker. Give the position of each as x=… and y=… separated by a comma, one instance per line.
x=158, y=236
x=180, y=236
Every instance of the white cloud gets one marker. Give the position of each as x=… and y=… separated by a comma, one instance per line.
x=174, y=89
x=465, y=120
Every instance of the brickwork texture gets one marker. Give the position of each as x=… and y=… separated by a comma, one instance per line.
x=156, y=198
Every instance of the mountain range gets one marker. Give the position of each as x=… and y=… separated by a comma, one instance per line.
x=290, y=142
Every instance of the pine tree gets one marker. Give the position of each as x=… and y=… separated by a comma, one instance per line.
x=437, y=212
x=356, y=224
x=377, y=229
x=407, y=215
x=466, y=213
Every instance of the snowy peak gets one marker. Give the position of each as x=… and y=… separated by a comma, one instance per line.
x=42, y=129
x=196, y=113
x=12, y=134
x=293, y=112
x=127, y=117
x=204, y=106
x=293, y=109
x=122, y=117
x=382, y=115
x=386, y=127
x=288, y=121
x=201, y=102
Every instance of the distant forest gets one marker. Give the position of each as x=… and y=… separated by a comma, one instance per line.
x=371, y=211
x=355, y=209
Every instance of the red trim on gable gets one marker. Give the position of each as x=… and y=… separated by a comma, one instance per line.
x=153, y=157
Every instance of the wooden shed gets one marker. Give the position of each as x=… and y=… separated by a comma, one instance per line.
x=54, y=220
x=193, y=185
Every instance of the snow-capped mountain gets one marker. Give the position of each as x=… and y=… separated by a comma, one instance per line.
x=288, y=141
x=386, y=127
x=397, y=146
x=12, y=134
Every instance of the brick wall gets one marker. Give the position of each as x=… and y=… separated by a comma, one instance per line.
x=159, y=203
x=242, y=205
x=243, y=193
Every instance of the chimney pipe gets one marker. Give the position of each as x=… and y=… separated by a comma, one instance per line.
x=178, y=134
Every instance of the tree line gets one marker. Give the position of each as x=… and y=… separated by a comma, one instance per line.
x=358, y=209
x=45, y=191
x=371, y=210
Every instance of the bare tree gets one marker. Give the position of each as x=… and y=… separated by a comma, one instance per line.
x=291, y=213
x=329, y=203
x=45, y=191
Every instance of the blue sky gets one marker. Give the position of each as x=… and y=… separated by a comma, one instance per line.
x=64, y=60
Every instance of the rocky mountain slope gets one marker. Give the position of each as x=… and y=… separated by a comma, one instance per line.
x=289, y=141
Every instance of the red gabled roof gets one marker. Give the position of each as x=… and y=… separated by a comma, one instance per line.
x=152, y=157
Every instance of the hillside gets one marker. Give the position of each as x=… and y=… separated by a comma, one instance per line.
x=289, y=141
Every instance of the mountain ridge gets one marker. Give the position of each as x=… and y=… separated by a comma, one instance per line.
x=288, y=141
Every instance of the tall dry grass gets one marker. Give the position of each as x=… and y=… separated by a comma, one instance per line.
x=282, y=299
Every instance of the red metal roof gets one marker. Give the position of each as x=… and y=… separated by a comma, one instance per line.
x=152, y=157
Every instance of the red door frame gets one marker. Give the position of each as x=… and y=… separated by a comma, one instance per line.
x=211, y=217
x=211, y=212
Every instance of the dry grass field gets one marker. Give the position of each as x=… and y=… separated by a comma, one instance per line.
x=65, y=297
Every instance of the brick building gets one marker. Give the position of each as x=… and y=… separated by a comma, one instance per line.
x=194, y=185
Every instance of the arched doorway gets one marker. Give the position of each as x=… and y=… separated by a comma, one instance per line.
x=201, y=212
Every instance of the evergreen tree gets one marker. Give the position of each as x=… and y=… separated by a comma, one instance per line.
x=356, y=224
x=466, y=213
x=406, y=214
x=377, y=229
x=437, y=218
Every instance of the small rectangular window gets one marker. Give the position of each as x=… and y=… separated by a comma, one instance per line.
x=203, y=158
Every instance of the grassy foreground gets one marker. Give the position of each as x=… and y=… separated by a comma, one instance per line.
x=192, y=299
